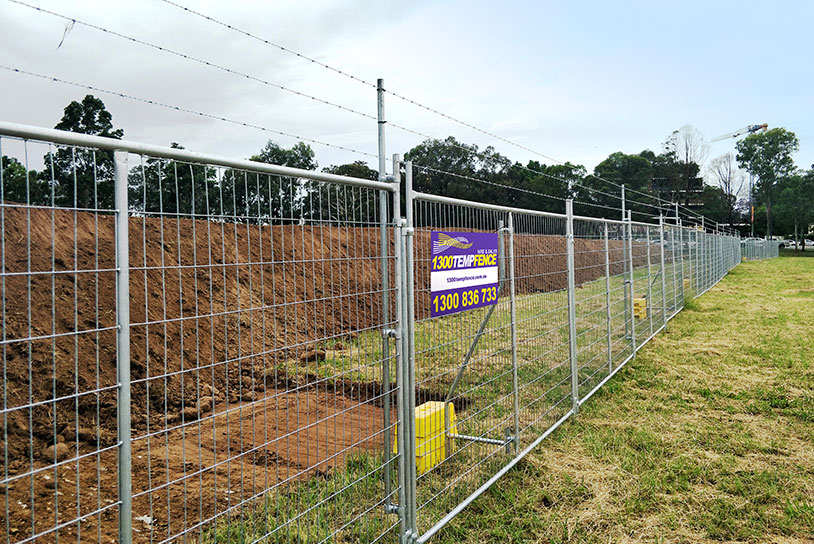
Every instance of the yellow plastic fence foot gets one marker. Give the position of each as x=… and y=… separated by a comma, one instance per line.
x=640, y=308
x=430, y=438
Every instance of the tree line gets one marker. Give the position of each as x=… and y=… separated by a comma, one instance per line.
x=83, y=179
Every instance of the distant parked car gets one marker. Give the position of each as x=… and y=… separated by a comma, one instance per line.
x=791, y=244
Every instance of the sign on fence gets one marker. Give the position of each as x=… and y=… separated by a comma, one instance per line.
x=464, y=271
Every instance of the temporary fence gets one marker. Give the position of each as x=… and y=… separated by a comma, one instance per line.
x=205, y=349
x=756, y=249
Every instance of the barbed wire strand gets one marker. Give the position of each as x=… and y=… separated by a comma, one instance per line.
x=187, y=110
x=370, y=84
x=311, y=140
x=418, y=104
x=198, y=60
x=487, y=182
x=336, y=105
x=656, y=198
x=272, y=44
x=426, y=169
x=254, y=78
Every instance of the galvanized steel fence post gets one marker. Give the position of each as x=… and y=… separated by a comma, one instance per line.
x=122, y=240
x=697, y=274
x=408, y=451
x=625, y=227
x=650, y=284
x=663, y=279
x=630, y=281
x=513, y=315
x=608, y=296
x=681, y=247
x=572, y=312
x=384, y=237
x=403, y=406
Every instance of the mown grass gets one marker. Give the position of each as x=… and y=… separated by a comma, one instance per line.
x=707, y=436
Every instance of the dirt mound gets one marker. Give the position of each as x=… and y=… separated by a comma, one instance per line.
x=201, y=293
x=215, y=308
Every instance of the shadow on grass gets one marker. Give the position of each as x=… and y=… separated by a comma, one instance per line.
x=796, y=253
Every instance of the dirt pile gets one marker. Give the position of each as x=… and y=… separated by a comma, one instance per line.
x=215, y=308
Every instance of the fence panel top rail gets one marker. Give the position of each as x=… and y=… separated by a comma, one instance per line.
x=85, y=140
x=482, y=205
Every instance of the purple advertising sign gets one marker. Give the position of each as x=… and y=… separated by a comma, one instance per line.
x=464, y=271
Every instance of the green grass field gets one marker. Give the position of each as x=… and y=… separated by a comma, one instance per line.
x=707, y=436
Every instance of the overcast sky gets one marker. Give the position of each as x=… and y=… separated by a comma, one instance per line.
x=574, y=81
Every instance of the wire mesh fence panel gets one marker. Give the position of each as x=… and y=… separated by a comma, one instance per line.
x=620, y=303
x=593, y=282
x=671, y=270
x=463, y=364
x=656, y=293
x=679, y=246
x=257, y=361
x=543, y=354
x=59, y=334
x=256, y=365
x=641, y=253
x=755, y=249
x=705, y=263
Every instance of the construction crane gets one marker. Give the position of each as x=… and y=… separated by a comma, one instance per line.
x=751, y=129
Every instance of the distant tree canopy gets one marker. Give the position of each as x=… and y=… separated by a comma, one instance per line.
x=768, y=156
x=84, y=178
x=75, y=177
x=547, y=185
x=174, y=188
x=794, y=206
x=330, y=202
x=21, y=185
x=451, y=168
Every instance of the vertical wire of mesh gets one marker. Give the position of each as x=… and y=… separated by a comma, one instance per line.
x=57, y=292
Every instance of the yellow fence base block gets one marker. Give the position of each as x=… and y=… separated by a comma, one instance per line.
x=640, y=308
x=430, y=439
